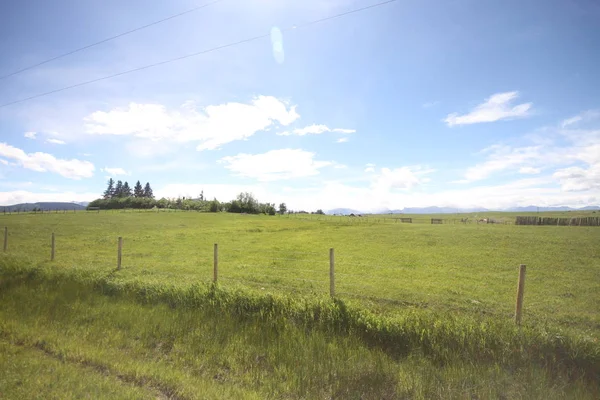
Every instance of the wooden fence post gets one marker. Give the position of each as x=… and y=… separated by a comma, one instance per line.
x=216, y=263
x=520, y=293
x=331, y=273
x=119, y=252
x=5, y=238
x=52, y=252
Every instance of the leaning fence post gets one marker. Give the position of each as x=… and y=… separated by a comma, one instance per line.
x=331, y=273
x=5, y=238
x=216, y=263
x=52, y=252
x=119, y=252
x=520, y=293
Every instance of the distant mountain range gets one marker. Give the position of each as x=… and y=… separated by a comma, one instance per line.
x=45, y=206
x=451, y=210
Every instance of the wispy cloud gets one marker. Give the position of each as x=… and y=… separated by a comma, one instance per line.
x=529, y=170
x=55, y=141
x=44, y=162
x=315, y=130
x=275, y=164
x=576, y=179
x=114, y=171
x=583, y=117
x=30, y=135
x=342, y=140
x=501, y=158
x=370, y=167
x=400, y=178
x=430, y=104
x=497, y=107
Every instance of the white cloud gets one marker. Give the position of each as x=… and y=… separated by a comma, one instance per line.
x=342, y=130
x=583, y=117
x=495, y=108
x=502, y=158
x=342, y=140
x=212, y=126
x=114, y=171
x=577, y=179
x=310, y=130
x=370, y=167
x=529, y=170
x=16, y=185
x=30, y=135
x=400, y=178
x=275, y=164
x=223, y=192
x=315, y=130
x=55, y=141
x=518, y=193
x=22, y=196
x=44, y=162
x=4, y=162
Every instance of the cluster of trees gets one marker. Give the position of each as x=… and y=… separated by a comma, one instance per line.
x=319, y=212
x=122, y=190
x=120, y=196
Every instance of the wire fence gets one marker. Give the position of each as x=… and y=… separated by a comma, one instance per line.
x=282, y=269
x=344, y=219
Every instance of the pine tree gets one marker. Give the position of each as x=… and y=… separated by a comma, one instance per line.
x=110, y=190
x=138, y=190
x=148, y=191
x=126, y=190
x=202, y=195
x=118, y=189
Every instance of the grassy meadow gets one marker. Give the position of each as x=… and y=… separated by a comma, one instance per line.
x=422, y=311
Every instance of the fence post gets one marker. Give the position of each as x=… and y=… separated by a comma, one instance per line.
x=52, y=253
x=5, y=238
x=119, y=252
x=216, y=263
x=331, y=273
x=520, y=293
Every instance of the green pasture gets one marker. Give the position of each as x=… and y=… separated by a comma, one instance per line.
x=422, y=311
x=470, y=268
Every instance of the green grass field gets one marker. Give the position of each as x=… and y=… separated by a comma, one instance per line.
x=443, y=294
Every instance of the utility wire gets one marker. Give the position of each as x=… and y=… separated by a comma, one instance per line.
x=210, y=50
x=110, y=38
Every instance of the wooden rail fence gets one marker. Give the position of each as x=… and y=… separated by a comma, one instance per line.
x=576, y=221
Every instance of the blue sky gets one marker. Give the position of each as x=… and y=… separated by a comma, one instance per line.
x=414, y=103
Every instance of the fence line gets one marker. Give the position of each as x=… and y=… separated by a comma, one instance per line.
x=573, y=221
x=332, y=273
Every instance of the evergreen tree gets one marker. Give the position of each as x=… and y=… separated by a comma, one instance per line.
x=126, y=190
x=148, y=191
x=110, y=190
x=201, y=195
x=138, y=191
x=118, y=189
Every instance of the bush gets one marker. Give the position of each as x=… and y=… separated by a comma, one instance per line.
x=214, y=206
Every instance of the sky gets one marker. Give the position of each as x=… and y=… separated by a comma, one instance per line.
x=456, y=103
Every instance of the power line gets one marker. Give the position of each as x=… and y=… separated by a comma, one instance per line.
x=210, y=50
x=110, y=38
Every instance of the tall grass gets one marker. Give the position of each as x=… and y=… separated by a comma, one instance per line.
x=441, y=337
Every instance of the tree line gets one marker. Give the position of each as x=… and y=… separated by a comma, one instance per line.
x=121, y=190
x=120, y=196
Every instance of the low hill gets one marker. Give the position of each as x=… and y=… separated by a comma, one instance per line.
x=45, y=206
